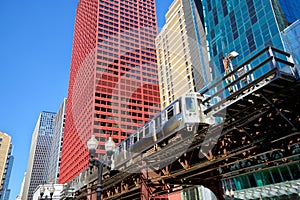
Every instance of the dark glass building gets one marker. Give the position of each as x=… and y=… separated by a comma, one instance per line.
x=291, y=40
x=245, y=26
x=290, y=10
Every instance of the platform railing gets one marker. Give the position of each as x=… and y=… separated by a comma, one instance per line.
x=267, y=64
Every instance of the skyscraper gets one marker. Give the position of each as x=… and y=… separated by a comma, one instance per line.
x=292, y=41
x=55, y=152
x=38, y=160
x=181, y=51
x=182, y=60
x=6, y=163
x=245, y=26
x=287, y=12
x=113, y=87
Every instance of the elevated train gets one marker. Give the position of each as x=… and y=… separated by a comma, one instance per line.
x=184, y=115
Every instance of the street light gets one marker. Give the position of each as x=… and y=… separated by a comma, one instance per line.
x=92, y=144
x=42, y=192
x=229, y=194
x=232, y=55
x=229, y=68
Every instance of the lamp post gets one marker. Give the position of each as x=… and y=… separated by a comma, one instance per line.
x=42, y=192
x=229, y=68
x=92, y=144
x=229, y=194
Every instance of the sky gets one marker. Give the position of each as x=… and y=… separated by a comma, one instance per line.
x=35, y=53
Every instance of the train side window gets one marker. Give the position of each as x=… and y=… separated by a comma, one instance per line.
x=170, y=112
x=117, y=151
x=147, y=129
x=151, y=127
x=132, y=139
x=157, y=122
x=124, y=145
x=140, y=134
x=163, y=117
x=127, y=143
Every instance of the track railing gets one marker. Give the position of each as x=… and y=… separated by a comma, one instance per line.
x=264, y=66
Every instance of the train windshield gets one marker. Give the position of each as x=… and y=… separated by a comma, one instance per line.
x=190, y=104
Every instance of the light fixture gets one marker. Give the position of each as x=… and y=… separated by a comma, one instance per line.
x=232, y=55
x=92, y=145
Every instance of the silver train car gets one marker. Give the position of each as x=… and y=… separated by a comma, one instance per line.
x=185, y=113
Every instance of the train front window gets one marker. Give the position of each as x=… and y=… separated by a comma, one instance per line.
x=190, y=104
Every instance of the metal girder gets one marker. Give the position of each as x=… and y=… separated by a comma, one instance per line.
x=259, y=129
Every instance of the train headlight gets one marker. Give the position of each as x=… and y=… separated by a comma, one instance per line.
x=179, y=117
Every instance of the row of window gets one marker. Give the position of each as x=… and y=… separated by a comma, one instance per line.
x=127, y=66
x=122, y=112
x=111, y=14
x=265, y=177
x=107, y=31
x=129, y=106
x=127, y=88
x=133, y=55
x=110, y=87
x=108, y=18
x=126, y=99
x=113, y=9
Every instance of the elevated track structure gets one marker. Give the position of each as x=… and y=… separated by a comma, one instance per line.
x=256, y=127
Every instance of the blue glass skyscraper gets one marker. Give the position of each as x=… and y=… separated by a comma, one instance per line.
x=290, y=11
x=245, y=26
x=291, y=38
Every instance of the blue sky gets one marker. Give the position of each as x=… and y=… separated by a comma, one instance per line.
x=35, y=52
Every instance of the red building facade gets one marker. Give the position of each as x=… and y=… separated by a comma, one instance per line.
x=113, y=86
